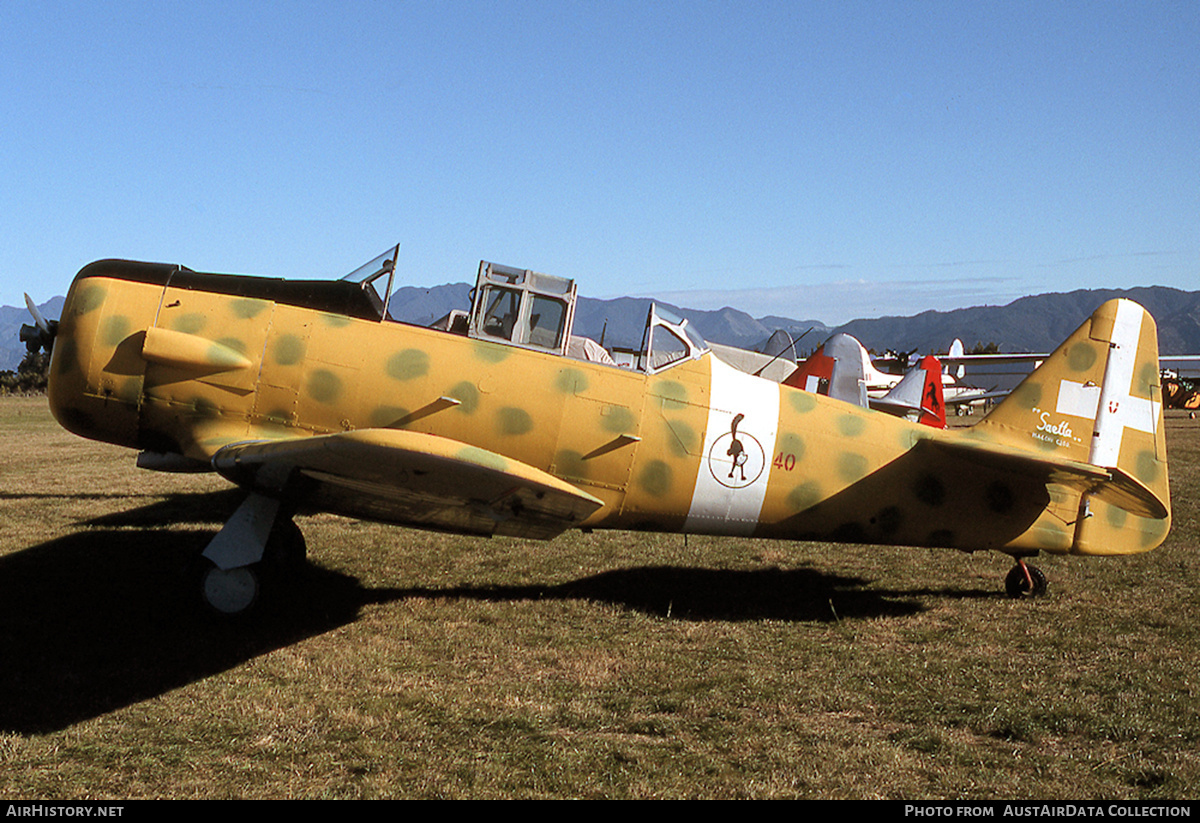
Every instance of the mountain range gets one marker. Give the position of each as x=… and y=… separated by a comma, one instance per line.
x=1030, y=324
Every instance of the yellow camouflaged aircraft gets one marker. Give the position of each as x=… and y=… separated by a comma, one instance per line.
x=499, y=421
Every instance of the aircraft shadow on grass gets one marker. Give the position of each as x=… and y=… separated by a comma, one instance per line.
x=105, y=618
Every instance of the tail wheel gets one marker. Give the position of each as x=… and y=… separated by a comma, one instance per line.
x=1025, y=580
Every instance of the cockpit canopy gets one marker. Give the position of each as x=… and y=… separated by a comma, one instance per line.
x=520, y=307
x=372, y=271
x=523, y=308
x=668, y=339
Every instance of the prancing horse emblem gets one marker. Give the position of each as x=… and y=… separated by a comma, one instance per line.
x=736, y=459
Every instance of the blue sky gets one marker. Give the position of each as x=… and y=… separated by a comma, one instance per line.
x=823, y=160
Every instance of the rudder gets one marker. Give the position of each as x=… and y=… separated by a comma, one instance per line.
x=1098, y=399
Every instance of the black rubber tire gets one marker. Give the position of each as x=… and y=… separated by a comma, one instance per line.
x=1018, y=587
x=286, y=549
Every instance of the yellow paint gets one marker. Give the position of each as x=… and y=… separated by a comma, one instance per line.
x=181, y=369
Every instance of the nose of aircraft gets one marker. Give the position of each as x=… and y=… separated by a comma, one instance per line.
x=95, y=374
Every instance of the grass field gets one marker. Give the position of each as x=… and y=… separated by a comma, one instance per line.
x=415, y=665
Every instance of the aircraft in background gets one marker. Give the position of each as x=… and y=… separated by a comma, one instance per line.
x=502, y=422
x=1179, y=392
x=842, y=369
x=919, y=395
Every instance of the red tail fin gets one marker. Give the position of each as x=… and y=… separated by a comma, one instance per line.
x=814, y=374
x=919, y=393
x=933, y=401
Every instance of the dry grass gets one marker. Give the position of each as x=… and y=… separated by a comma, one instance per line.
x=618, y=665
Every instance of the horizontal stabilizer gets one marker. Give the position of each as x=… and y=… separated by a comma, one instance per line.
x=1111, y=485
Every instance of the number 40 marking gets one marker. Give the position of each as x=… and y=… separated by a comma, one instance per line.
x=787, y=462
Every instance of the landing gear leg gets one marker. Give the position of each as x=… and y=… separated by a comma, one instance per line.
x=1025, y=580
x=254, y=544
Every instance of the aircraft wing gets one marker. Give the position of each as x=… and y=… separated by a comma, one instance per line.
x=411, y=478
x=1112, y=485
x=957, y=396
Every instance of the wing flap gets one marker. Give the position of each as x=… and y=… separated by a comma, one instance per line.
x=410, y=478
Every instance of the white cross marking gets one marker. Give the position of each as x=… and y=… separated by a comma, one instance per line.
x=1119, y=409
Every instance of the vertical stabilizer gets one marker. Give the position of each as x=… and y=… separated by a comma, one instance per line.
x=919, y=394
x=835, y=369
x=1097, y=399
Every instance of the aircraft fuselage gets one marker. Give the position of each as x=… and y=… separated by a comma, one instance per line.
x=172, y=362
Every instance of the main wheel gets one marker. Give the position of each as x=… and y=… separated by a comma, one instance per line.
x=238, y=591
x=230, y=592
x=1025, y=580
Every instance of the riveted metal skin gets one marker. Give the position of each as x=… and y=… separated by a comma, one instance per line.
x=242, y=371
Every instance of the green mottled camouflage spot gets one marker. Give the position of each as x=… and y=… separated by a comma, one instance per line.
x=1081, y=356
x=189, y=323
x=226, y=352
x=482, y=457
x=674, y=394
x=233, y=343
x=89, y=298
x=513, y=421
x=1116, y=516
x=246, y=307
x=203, y=407
x=491, y=352
x=804, y=496
x=1146, y=467
x=571, y=381
x=66, y=356
x=467, y=395
x=1053, y=535
x=129, y=391
x=617, y=419
x=851, y=425
x=1153, y=531
x=1046, y=444
x=335, y=321
x=408, y=364
x=324, y=386
x=682, y=439
x=791, y=444
x=289, y=350
x=851, y=466
x=115, y=329
x=385, y=417
x=1029, y=393
x=568, y=463
x=1148, y=377
x=802, y=401
x=655, y=478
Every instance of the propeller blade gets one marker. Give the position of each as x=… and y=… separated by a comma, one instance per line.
x=37, y=315
x=40, y=335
